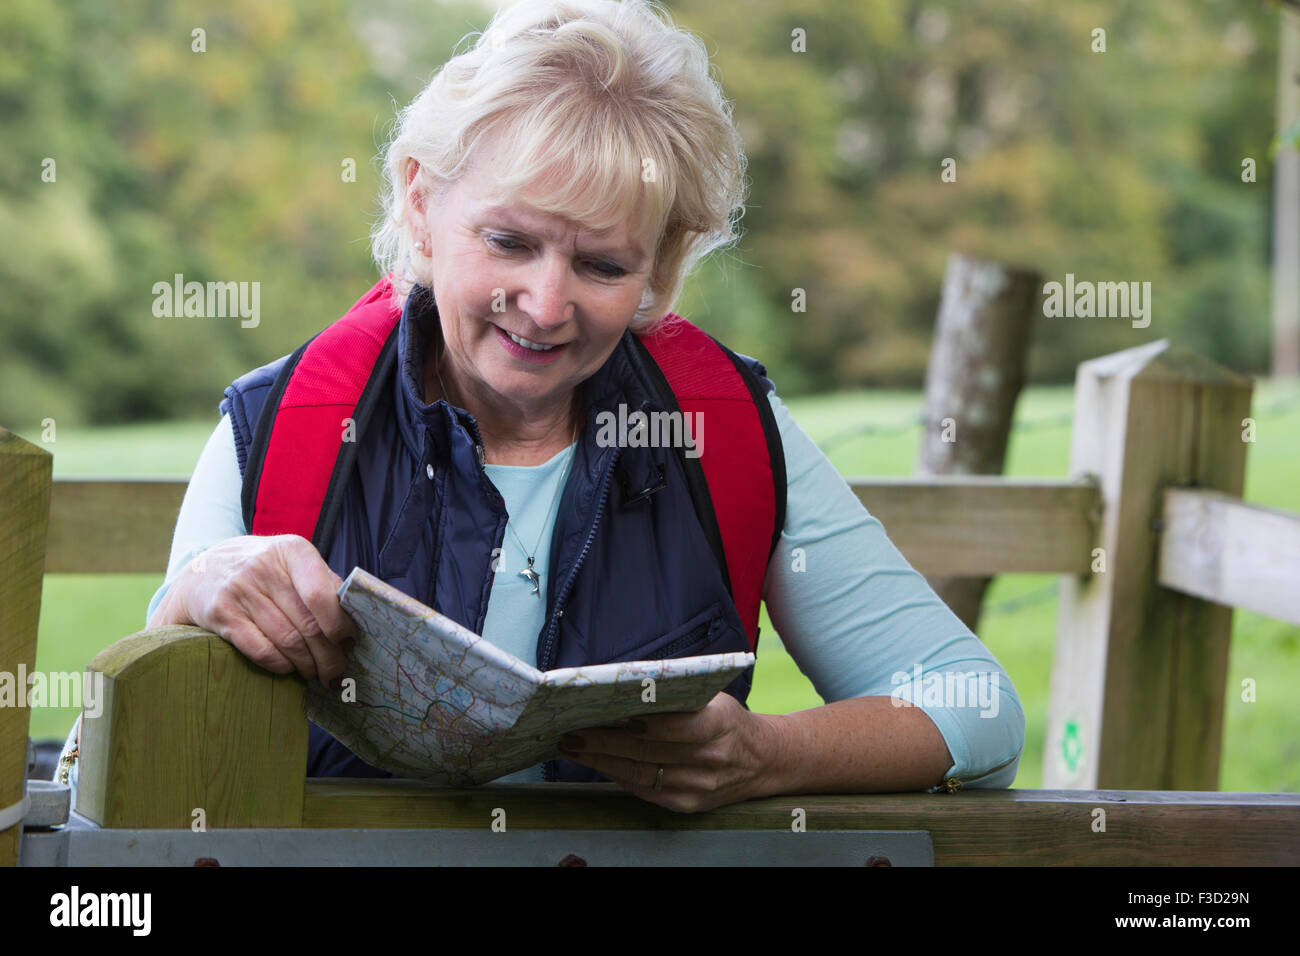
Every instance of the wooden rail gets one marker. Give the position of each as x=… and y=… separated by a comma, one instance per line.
x=1224, y=551
x=967, y=525
x=970, y=828
x=112, y=525
x=963, y=525
x=190, y=724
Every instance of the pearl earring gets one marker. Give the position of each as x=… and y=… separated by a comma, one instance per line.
x=419, y=246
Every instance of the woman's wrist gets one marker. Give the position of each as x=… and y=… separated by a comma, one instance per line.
x=170, y=608
x=778, y=750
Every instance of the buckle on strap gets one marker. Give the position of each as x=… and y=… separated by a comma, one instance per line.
x=644, y=493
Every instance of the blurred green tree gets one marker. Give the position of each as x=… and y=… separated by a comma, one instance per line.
x=227, y=165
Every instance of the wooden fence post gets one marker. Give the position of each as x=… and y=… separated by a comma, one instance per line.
x=187, y=724
x=1138, y=678
x=25, y=476
x=977, y=368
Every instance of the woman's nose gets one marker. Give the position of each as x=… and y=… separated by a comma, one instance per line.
x=545, y=297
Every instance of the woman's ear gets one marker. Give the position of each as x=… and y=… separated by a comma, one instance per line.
x=415, y=198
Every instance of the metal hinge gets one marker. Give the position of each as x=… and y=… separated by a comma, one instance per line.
x=65, y=764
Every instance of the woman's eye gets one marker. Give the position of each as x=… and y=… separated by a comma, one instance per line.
x=606, y=270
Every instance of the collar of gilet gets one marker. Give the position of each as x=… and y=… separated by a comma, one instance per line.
x=444, y=433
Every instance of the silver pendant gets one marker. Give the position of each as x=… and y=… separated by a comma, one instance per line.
x=532, y=577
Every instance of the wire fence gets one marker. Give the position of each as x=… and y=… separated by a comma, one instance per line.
x=1275, y=408
x=1020, y=602
x=918, y=421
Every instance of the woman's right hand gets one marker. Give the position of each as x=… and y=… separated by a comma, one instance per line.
x=273, y=597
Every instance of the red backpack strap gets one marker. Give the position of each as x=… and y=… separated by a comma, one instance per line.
x=738, y=481
x=302, y=452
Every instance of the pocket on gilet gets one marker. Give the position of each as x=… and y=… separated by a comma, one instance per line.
x=689, y=639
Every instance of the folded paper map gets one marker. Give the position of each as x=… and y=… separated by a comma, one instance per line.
x=430, y=699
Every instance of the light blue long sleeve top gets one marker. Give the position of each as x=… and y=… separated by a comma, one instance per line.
x=858, y=620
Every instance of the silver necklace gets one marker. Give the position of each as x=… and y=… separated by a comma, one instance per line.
x=529, y=573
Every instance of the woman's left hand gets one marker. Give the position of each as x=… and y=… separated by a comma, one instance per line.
x=717, y=755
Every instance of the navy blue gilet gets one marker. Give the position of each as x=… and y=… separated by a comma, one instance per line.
x=634, y=575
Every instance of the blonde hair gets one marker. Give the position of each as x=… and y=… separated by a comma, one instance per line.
x=609, y=100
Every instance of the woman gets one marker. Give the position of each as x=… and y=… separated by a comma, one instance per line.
x=548, y=192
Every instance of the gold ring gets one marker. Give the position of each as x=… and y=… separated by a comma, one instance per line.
x=659, y=779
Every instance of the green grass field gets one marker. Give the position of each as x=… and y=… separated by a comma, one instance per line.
x=82, y=614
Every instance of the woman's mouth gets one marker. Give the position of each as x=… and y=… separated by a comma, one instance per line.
x=528, y=350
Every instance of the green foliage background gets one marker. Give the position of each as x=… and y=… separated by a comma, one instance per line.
x=226, y=165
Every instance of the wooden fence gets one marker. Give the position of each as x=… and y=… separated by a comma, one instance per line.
x=1150, y=537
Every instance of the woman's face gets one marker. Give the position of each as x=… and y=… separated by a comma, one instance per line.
x=498, y=272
